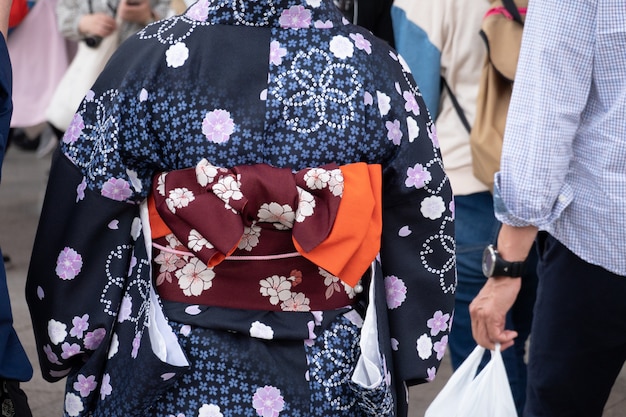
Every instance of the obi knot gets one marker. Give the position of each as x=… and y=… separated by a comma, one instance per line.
x=332, y=213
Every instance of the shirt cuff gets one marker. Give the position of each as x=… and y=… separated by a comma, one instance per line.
x=535, y=214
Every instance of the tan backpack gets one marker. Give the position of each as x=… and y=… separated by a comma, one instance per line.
x=502, y=32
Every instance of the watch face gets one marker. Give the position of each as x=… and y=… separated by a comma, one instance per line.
x=489, y=261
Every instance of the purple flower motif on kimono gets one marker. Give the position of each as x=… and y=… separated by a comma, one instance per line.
x=52, y=357
x=396, y=291
x=105, y=388
x=440, y=347
x=210, y=410
x=261, y=331
x=318, y=317
x=296, y=17
x=116, y=189
x=412, y=128
x=394, y=133
x=217, y=126
x=312, y=335
x=268, y=402
x=84, y=385
x=405, y=231
x=438, y=323
x=176, y=55
x=341, y=47
x=417, y=177
x=74, y=129
x=199, y=11
x=432, y=373
x=328, y=24
x=93, y=339
x=394, y=344
x=452, y=207
x=80, y=325
x=424, y=347
x=276, y=53
x=384, y=103
x=126, y=309
x=361, y=43
x=136, y=344
x=432, y=207
x=69, y=264
x=57, y=331
x=133, y=263
x=143, y=95
x=69, y=350
x=368, y=99
x=411, y=103
x=73, y=404
x=80, y=190
x=432, y=134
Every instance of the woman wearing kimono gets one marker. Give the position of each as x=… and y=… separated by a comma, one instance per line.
x=226, y=193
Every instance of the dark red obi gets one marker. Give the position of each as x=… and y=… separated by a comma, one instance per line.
x=264, y=238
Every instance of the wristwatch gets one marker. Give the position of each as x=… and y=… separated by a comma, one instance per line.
x=495, y=266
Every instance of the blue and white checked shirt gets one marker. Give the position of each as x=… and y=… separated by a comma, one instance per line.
x=563, y=165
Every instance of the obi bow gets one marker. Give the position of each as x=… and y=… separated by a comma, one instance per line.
x=333, y=213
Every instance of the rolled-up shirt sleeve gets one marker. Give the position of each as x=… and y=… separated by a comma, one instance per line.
x=553, y=82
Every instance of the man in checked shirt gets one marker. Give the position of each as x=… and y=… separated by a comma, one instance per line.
x=562, y=181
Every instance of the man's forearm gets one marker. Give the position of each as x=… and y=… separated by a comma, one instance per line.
x=514, y=243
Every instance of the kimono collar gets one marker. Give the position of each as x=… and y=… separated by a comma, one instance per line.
x=332, y=214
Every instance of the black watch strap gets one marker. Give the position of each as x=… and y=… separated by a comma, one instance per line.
x=515, y=269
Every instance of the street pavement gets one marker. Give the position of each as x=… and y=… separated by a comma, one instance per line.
x=24, y=178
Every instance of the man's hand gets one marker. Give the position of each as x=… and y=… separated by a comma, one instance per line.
x=488, y=311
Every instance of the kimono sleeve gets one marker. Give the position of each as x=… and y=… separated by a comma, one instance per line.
x=418, y=250
x=82, y=256
x=90, y=251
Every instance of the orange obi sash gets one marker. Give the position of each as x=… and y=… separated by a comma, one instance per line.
x=331, y=214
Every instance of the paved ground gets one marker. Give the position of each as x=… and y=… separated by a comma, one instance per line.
x=21, y=193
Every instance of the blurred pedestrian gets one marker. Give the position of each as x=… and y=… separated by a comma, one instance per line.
x=14, y=364
x=563, y=172
x=39, y=55
x=99, y=26
x=213, y=219
x=88, y=20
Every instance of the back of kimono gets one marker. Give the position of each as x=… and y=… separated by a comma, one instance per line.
x=287, y=84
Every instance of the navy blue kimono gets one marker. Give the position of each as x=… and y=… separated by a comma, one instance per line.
x=287, y=83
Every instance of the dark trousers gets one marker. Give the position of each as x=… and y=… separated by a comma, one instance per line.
x=578, y=340
x=476, y=227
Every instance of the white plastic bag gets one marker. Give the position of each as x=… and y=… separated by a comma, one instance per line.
x=466, y=394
